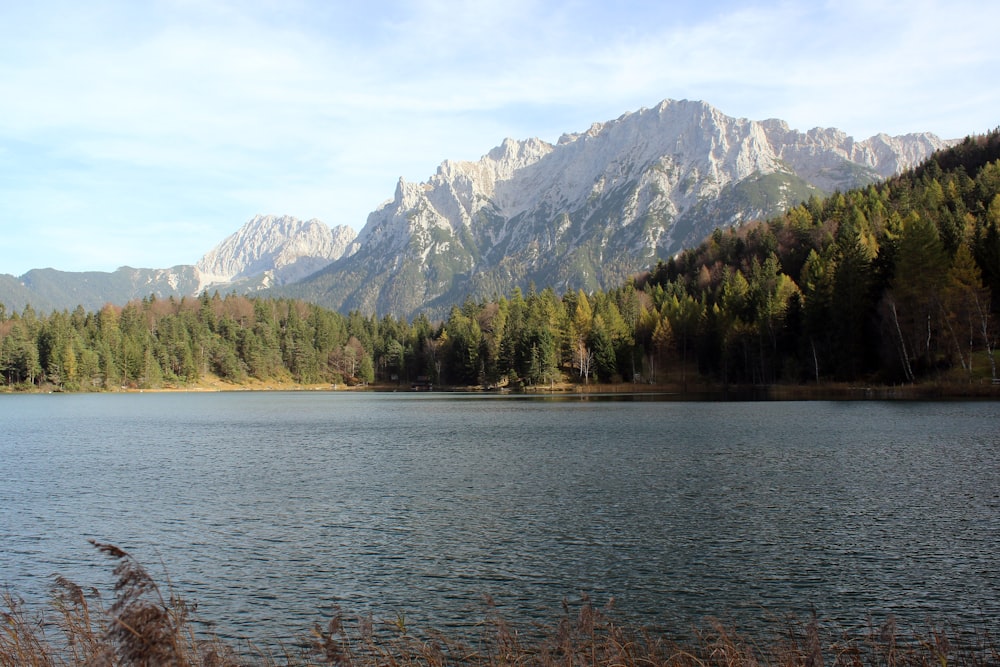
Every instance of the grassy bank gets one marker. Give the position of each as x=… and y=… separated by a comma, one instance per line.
x=145, y=626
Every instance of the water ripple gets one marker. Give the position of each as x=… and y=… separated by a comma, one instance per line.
x=269, y=510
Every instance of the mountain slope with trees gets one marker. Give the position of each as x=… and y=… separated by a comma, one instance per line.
x=897, y=280
x=895, y=283
x=593, y=209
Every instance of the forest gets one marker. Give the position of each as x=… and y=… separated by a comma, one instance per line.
x=898, y=282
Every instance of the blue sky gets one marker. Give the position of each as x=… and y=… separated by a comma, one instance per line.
x=145, y=132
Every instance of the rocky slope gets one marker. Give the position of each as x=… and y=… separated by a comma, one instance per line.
x=285, y=249
x=593, y=208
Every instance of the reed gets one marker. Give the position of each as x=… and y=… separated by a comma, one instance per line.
x=143, y=627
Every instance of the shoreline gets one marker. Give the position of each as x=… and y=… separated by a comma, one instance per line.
x=676, y=391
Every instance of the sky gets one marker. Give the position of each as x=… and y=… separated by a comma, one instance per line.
x=144, y=132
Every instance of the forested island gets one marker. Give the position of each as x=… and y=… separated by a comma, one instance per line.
x=896, y=283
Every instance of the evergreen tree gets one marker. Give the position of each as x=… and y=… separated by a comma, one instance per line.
x=913, y=303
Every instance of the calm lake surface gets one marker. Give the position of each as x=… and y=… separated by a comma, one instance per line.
x=270, y=509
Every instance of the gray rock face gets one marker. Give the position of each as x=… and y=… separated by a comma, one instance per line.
x=284, y=248
x=593, y=208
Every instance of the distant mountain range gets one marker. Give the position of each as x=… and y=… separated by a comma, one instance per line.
x=268, y=251
x=585, y=212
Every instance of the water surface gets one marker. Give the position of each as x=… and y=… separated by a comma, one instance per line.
x=269, y=509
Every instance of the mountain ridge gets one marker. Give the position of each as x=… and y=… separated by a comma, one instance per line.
x=594, y=207
x=584, y=212
x=284, y=247
x=266, y=251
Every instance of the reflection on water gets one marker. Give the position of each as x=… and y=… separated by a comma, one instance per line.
x=269, y=509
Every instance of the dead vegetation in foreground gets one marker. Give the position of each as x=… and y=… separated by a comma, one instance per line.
x=142, y=628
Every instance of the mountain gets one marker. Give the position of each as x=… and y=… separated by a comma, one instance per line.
x=585, y=212
x=266, y=251
x=48, y=289
x=593, y=208
x=279, y=249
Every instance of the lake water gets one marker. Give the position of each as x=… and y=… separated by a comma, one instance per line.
x=270, y=509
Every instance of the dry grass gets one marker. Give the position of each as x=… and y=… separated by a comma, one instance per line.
x=142, y=628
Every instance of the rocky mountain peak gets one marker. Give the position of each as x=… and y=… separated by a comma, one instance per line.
x=287, y=247
x=596, y=206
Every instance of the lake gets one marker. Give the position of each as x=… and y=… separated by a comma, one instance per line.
x=271, y=509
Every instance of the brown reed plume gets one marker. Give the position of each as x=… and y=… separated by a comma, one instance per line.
x=144, y=628
x=22, y=642
x=80, y=628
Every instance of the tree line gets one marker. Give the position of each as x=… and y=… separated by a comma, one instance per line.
x=156, y=342
x=896, y=282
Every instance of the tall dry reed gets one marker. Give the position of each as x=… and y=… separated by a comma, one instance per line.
x=145, y=628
